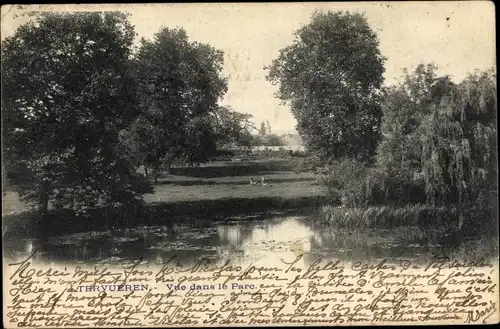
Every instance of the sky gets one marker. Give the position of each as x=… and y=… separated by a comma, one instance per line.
x=459, y=36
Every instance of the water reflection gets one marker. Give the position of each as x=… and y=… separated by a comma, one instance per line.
x=372, y=245
x=238, y=241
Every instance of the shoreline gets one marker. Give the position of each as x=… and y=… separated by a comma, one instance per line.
x=65, y=221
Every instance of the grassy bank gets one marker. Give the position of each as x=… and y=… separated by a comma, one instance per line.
x=469, y=225
x=473, y=219
x=475, y=239
x=387, y=216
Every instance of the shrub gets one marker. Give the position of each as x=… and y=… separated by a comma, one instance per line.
x=352, y=183
x=398, y=187
x=346, y=182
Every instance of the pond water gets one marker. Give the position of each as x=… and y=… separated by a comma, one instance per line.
x=238, y=241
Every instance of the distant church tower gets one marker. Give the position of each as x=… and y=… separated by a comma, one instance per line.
x=262, y=130
x=268, y=127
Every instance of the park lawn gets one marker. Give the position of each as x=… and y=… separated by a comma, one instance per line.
x=270, y=177
x=219, y=180
x=226, y=180
x=285, y=190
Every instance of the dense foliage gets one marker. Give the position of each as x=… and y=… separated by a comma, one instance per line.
x=459, y=162
x=179, y=87
x=331, y=77
x=231, y=127
x=67, y=91
x=267, y=140
x=438, y=146
x=82, y=112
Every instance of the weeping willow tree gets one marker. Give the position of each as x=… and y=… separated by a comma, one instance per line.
x=398, y=155
x=458, y=139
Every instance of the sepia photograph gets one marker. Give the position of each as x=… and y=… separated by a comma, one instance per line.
x=262, y=164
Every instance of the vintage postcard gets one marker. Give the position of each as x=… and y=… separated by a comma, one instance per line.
x=249, y=164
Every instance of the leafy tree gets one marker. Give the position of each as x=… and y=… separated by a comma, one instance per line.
x=404, y=107
x=67, y=92
x=272, y=140
x=459, y=161
x=232, y=127
x=199, y=143
x=142, y=143
x=331, y=77
x=179, y=82
x=267, y=140
x=442, y=135
x=257, y=140
x=398, y=155
x=245, y=139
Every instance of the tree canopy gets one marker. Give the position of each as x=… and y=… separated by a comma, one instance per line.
x=232, y=127
x=67, y=91
x=459, y=162
x=179, y=87
x=440, y=133
x=331, y=77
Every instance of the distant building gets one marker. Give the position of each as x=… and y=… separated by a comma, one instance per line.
x=265, y=128
x=279, y=148
x=262, y=130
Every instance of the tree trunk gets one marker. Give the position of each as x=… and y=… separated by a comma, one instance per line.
x=146, y=172
x=44, y=198
x=168, y=167
x=155, y=172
